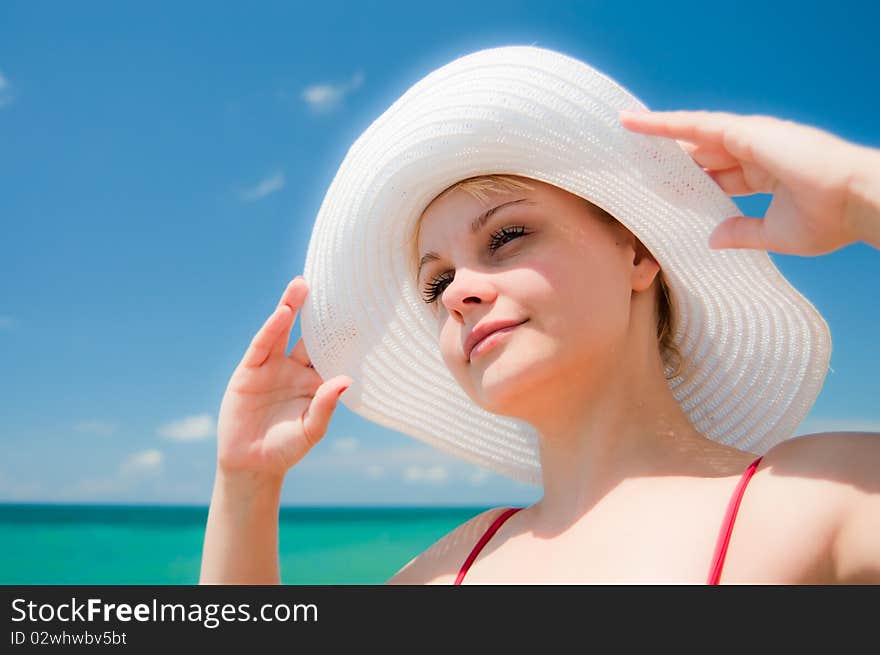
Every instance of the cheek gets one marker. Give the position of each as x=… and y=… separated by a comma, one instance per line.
x=449, y=345
x=589, y=296
x=450, y=351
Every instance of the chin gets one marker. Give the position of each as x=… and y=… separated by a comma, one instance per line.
x=504, y=386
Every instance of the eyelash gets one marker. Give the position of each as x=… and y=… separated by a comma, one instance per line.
x=432, y=289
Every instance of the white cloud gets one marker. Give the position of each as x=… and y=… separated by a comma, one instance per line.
x=191, y=428
x=825, y=424
x=6, y=321
x=425, y=475
x=266, y=187
x=100, y=428
x=345, y=445
x=325, y=97
x=374, y=472
x=145, y=461
x=132, y=472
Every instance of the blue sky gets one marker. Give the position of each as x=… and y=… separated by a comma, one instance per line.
x=162, y=164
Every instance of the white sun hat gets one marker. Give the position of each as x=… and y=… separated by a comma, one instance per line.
x=756, y=350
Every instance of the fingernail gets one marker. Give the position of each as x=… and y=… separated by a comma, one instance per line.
x=341, y=391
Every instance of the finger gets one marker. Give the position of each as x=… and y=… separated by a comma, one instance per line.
x=707, y=156
x=299, y=354
x=316, y=417
x=272, y=339
x=295, y=293
x=711, y=158
x=293, y=297
x=732, y=181
x=263, y=341
x=279, y=347
x=738, y=232
x=701, y=127
x=304, y=382
x=689, y=148
x=745, y=180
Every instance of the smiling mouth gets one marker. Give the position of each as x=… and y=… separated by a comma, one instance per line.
x=490, y=340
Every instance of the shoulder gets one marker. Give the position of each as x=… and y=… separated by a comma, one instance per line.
x=440, y=562
x=845, y=465
x=836, y=477
x=845, y=458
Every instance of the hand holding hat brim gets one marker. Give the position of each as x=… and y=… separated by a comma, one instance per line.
x=806, y=169
x=276, y=406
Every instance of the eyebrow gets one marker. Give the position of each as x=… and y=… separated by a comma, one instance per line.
x=476, y=225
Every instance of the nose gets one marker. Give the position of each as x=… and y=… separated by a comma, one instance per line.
x=467, y=288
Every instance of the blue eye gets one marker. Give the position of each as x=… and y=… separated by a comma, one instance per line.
x=436, y=286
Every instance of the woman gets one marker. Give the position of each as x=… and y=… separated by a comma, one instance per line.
x=615, y=384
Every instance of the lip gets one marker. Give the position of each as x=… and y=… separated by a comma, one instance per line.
x=482, y=331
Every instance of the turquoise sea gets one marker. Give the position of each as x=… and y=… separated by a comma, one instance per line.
x=126, y=545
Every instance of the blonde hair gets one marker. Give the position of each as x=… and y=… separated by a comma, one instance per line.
x=480, y=185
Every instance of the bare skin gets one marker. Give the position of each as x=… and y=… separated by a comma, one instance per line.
x=809, y=516
x=649, y=500
x=275, y=409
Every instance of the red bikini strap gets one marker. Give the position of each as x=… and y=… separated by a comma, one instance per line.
x=727, y=525
x=484, y=540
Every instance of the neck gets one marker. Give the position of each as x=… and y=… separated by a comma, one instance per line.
x=631, y=427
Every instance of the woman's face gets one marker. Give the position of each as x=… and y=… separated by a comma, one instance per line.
x=544, y=257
